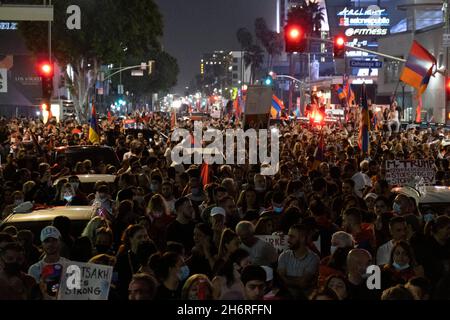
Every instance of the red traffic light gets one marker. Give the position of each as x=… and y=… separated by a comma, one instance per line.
x=340, y=41
x=45, y=69
x=294, y=33
x=294, y=37
x=447, y=85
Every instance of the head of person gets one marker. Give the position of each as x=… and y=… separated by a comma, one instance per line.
x=11, y=258
x=103, y=259
x=341, y=239
x=298, y=236
x=397, y=293
x=339, y=285
x=381, y=205
x=229, y=243
x=402, y=256
x=352, y=218
x=155, y=183
x=260, y=182
x=17, y=197
x=324, y=169
x=25, y=238
x=197, y=287
x=166, y=266
x=167, y=190
x=347, y=186
x=401, y=205
x=420, y=288
x=254, y=280
x=142, y=287
x=265, y=225
x=157, y=207
x=234, y=265
x=325, y=294
x=50, y=238
x=229, y=205
x=357, y=262
x=134, y=235
x=439, y=229
x=398, y=228
x=184, y=209
x=103, y=240
x=217, y=218
x=246, y=232
x=370, y=201
x=202, y=232
x=102, y=193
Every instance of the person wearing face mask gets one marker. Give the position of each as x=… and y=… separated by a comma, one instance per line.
x=402, y=266
x=167, y=268
x=102, y=204
x=159, y=214
x=401, y=205
x=15, y=284
x=197, y=287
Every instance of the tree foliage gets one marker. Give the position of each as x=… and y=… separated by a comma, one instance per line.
x=110, y=31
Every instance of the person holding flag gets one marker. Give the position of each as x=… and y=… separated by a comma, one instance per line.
x=364, y=127
x=94, y=137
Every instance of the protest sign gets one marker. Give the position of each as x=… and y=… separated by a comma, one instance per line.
x=257, y=107
x=85, y=281
x=404, y=172
x=278, y=241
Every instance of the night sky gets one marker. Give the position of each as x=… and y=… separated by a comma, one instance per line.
x=193, y=27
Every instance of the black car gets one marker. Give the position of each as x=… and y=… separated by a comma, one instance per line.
x=96, y=154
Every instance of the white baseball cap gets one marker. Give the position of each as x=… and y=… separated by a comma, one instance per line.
x=269, y=273
x=50, y=232
x=218, y=210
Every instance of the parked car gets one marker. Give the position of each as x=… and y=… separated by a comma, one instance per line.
x=36, y=220
x=88, y=181
x=96, y=154
x=435, y=198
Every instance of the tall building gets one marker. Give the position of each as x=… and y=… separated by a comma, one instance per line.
x=224, y=70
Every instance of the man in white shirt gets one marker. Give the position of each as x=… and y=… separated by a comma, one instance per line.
x=398, y=229
x=261, y=252
x=51, y=243
x=361, y=179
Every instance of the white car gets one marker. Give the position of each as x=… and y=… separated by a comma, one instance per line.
x=436, y=198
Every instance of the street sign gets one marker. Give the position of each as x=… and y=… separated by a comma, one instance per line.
x=137, y=73
x=120, y=89
x=143, y=66
x=365, y=64
x=446, y=40
x=3, y=80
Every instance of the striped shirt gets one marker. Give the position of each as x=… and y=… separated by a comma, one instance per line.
x=299, y=267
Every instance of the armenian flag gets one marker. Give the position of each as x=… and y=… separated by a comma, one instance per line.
x=93, y=128
x=418, y=68
x=277, y=106
x=349, y=94
x=363, y=139
x=340, y=92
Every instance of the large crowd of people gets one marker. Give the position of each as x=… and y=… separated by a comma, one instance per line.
x=170, y=234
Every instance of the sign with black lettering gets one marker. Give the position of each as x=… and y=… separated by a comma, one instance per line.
x=403, y=172
x=85, y=281
x=278, y=241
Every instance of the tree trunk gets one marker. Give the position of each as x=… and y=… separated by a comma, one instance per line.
x=84, y=79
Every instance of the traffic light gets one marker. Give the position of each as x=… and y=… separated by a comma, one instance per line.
x=339, y=46
x=268, y=81
x=295, y=38
x=447, y=88
x=45, y=70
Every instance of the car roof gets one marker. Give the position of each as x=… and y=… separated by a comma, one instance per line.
x=427, y=194
x=72, y=212
x=91, y=178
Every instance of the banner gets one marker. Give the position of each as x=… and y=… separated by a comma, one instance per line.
x=278, y=241
x=257, y=107
x=3, y=80
x=93, y=281
x=404, y=172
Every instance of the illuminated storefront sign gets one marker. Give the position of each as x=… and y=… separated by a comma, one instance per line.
x=357, y=22
x=350, y=32
x=370, y=11
x=8, y=25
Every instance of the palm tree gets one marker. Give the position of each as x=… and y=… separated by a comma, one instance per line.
x=254, y=57
x=270, y=40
